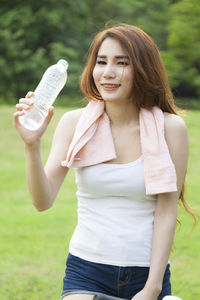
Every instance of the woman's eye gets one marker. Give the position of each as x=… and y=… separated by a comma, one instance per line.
x=124, y=63
x=101, y=62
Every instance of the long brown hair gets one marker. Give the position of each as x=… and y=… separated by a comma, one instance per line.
x=150, y=83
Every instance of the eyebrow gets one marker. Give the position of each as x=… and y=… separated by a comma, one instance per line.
x=117, y=56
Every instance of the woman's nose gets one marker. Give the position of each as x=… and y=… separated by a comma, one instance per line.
x=109, y=71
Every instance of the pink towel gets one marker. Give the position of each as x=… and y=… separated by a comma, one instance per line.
x=93, y=144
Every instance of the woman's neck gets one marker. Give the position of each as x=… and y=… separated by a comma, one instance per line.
x=121, y=114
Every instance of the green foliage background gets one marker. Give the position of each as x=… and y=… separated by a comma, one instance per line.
x=36, y=33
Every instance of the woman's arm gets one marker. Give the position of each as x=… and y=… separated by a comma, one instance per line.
x=44, y=183
x=55, y=173
x=166, y=208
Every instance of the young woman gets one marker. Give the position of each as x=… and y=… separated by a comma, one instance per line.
x=123, y=239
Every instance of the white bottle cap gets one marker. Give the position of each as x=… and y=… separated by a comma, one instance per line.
x=64, y=63
x=171, y=298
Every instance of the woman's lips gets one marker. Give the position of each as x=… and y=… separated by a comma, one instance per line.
x=110, y=86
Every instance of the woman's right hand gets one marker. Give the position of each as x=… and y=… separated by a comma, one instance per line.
x=30, y=137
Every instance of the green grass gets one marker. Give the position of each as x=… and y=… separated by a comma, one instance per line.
x=34, y=246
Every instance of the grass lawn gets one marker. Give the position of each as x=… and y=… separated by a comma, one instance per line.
x=34, y=245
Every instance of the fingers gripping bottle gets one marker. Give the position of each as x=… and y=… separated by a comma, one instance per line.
x=45, y=94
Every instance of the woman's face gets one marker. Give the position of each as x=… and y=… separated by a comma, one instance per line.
x=113, y=75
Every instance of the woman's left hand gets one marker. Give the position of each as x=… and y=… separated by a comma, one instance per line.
x=144, y=295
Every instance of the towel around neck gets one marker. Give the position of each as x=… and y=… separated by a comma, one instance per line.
x=93, y=143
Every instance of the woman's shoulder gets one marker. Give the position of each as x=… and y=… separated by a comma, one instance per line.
x=67, y=124
x=72, y=117
x=175, y=131
x=173, y=122
x=73, y=114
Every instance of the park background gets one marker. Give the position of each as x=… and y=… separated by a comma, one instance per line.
x=34, y=35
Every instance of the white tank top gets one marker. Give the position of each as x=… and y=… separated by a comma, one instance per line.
x=115, y=216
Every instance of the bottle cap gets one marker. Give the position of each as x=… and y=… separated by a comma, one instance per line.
x=64, y=63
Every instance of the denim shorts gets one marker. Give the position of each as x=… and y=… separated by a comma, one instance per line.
x=85, y=277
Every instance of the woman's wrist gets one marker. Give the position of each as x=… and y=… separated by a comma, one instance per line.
x=32, y=146
x=153, y=289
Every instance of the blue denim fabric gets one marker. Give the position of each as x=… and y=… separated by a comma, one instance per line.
x=85, y=277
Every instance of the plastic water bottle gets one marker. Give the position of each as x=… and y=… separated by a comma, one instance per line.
x=171, y=298
x=45, y=94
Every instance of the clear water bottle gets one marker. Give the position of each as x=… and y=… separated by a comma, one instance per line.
x=45, y=94
x=171, y=298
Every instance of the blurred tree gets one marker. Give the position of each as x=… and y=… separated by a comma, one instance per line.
x=183, y=57
x=152, y=16
x=33, y=37
x=36, y=33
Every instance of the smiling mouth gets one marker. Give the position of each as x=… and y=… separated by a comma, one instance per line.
x=108, y=85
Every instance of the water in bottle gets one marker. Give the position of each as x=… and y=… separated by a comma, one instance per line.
x=45, y=94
